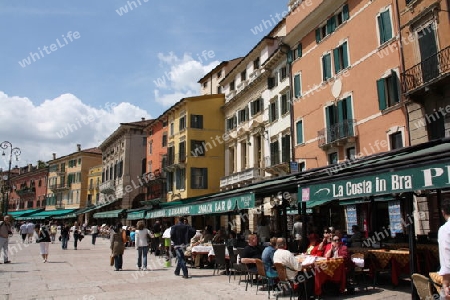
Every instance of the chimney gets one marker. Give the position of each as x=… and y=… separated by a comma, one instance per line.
x=30, y=167
x=54, y=155
x=78, y=147
x=143, y=119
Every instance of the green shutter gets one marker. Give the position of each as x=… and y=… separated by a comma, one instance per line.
x=329, y=119
x=387, y=25
x=395, y=87
x=299, y=50
x=318, y=35
x=332, y=23
x=289, y=57
x=299, y=132
x=345, y=55
x=337, y=61
x=329, y=26
x=348, y=103
x=345, y=14
x=381, y=94
x=326, y=62
x=341, y=119
x=297, y=89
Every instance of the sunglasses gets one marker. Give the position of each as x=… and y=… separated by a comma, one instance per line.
x=335, y=240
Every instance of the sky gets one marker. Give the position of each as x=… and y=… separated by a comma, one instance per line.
x=72, y=71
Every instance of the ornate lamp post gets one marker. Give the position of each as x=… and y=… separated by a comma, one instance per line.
x=16, y=151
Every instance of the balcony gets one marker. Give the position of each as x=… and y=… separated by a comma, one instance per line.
x=273, y=165
x=26, y=191
x=241, y=86
x=60, y=206
x=59, y=187
x=427, y=72
x=177, y=160
x=244, y=177
x=338, y=134
x=93, y=187
x=107, y=187
x=230, y=95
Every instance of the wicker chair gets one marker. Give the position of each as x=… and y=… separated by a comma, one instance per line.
x=262, y=274
x=423, y=286
x=284, y=284
x=360, y=272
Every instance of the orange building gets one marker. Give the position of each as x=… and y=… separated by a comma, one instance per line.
x=345, y=80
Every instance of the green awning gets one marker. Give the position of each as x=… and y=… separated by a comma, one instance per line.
x=136, y=215
x=17, y=214
x=68, y=216
x=312, y=203
x=108, y=214
x=42, y=215
x=85, y=210
x=366, y=200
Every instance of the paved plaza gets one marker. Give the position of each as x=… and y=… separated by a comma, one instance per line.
x=85, y=274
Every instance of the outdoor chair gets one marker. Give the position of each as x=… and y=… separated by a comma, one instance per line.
x=284, y=284
x=423, y=286
x=219, y=258
x=360, y=272
x=235, y=266
x=262, y=275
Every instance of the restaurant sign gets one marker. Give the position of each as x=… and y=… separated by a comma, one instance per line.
x=431, y=176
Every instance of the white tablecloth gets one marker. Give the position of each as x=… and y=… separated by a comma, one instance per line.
x=202, y=249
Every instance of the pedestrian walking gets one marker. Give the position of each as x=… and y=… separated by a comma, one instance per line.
x=444, y=254
x=5, y=232
x=44, y=241
x=75, y=234
x=94, y=233
x=23, y=232
x=53, y=232
x=65, y=233
x=30, y=231
x=142, y=236
x=117, y=247
x=181, y=235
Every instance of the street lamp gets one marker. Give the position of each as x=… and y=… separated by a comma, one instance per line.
x=16, y=151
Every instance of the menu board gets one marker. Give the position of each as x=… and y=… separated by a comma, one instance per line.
x=395, y=217
x=351, y=217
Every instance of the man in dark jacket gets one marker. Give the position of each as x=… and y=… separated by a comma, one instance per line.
x=181, y=234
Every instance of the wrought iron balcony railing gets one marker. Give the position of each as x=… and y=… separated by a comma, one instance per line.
x=337, y=132
x=427, y=71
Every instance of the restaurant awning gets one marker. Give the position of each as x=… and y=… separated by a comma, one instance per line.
x=244, y=201
x=18, y=214
x=136, y=214
x=108, y=214
x=42, y=215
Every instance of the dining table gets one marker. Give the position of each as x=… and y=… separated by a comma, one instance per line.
x=399, y=260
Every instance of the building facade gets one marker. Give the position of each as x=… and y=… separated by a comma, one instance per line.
x=29, y=188
x=209, y=84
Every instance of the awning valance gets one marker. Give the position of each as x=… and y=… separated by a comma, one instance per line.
x=108, y=214
x=136, y=215
x=17, y=214
x=42, y=215
x=224, y=205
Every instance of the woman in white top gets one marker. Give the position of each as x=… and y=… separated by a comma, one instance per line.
x=141, y=245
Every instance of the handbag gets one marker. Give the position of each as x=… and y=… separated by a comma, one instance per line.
x=60, y=238
x=111, y=260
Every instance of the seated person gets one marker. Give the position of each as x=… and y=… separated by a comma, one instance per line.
x=337, y=249
x=207, y=235
x=220, y=237
x=287, y=258
x=356, y=239
x=324, y=245
x=195, y=241
x=252, y=250
x=267, y=258
x=313, y=244
x=232, y=240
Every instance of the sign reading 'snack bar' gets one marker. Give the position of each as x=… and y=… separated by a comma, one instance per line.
x=432, y=176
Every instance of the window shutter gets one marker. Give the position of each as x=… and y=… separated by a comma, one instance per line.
x=345, y=14
x=348, y=104
x=387, y=25
x=337, y=63
x=318, y=35
x=247, y=117
x=270, y=113
x=297, y=90
x=299, y=132
x=345, y=55
x=395, y=86
x=329, y=26
x=276, y=110
x=326, y=62
x=381, y=29
x=261, y=104
x=205, y=178
x=300, y=50
x=289, y=57
x=381, y=94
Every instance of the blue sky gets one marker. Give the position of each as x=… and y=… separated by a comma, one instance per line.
x=73, y=70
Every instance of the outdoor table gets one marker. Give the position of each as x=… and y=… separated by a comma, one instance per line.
x=353, y=250
x=399, y=261
x=437, y=280
x=201, y=249
x=331, y=269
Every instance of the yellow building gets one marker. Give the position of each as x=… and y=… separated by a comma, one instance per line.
x=94, y=178
x=195, y=152
x=68, y=179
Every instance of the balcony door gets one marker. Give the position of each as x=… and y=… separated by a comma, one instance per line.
x=428, y=53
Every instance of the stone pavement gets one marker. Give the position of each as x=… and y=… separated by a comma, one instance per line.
x=85, y=274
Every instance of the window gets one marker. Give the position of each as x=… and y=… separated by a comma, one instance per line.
x=244, y=156
x=388, y=92
x=219, y=90
x=272, y=82
x=256, y=64
x=164, y=124
x=231, y=123
x=219, y=74
x=257, y=106
x=339, y=120
x=384, y=26
x=244, y=75
x=169, y=181
x=285, y=105
x=297, y=86
x=340, y=55
x=63, y=167
x=274, y=153
x=182, y=154
x=197, y=148
x=243, y=115
x=350, y=153
x=396, y=140
x=302, y=166
x=273, y=111
x=120, y=168
x=182, y=124
x=150, y=132
x=298, y=52
x=164, y=140
x=150, y=148
x=283, y=73
x=333, y=158
x=170, y=156
x=197, y=121
x=332, y=23
x=326, y=67
x=232, y=86
x=180, y=175
x=299, y=129
x=199, y=178
x=286, y=149
x=144, y=141
x=171, y=129
x=205, y=84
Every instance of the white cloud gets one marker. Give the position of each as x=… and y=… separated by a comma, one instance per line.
x=57, y=125
x=181, y=75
